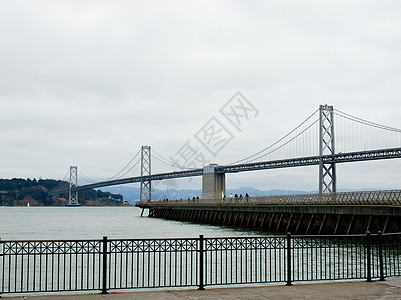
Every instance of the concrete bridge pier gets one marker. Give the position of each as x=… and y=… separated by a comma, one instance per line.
x=213, y=184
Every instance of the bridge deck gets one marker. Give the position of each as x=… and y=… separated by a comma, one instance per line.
x=276, y=164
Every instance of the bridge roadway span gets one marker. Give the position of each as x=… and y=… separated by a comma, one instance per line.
x=338, y=213
x=275, y=164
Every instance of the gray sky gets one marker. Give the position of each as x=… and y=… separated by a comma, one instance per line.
x=87, y=83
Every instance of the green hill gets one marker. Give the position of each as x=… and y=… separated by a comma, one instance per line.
x=21, y=192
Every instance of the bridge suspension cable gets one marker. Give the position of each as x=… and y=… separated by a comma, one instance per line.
x=129, y=170
x=167, y=161
x=163, y=160
x=124, y=171
x=125, y=167
x=66, y=174
x=63, y=183
x=82, y=176
x=279, y=144
x=365, y=122
x=355, y=134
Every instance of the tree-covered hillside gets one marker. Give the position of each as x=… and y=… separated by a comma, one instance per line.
x=20, y=192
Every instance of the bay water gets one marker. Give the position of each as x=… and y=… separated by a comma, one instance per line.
x=64, y=223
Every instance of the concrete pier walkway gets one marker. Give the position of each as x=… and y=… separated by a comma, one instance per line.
x=389, y=289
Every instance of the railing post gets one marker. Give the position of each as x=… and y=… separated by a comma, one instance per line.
x=289, y=259
x=381, y=262
x=368, y=257
x=201, y=262
x=104, y=267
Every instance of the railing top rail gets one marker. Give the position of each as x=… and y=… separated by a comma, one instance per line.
x=211, y=238
x=51, y=241
x=376, y=198
x=154, y=239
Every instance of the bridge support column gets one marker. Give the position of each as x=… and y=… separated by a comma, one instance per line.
x=146, y=188
x=213, y=184
x=327, y=172
x=73, y=196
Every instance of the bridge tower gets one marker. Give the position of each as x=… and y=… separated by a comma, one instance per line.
x=327, y=171
x=73, y=196
x=213, y=184
x=146, y=188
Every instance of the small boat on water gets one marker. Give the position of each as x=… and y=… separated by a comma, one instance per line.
x=27, y=204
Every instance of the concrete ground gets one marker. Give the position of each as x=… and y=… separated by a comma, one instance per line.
x=389, y=289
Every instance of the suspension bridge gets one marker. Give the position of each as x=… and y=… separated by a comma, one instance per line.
x=312, y=143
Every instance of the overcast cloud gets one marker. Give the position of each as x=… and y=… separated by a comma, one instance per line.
x=87, y=83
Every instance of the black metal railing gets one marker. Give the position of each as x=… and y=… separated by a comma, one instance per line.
x=153, y=263
x=79, y=265
x=45, y=266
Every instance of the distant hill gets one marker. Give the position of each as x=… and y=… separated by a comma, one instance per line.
x=21, y=192
x=132, y=194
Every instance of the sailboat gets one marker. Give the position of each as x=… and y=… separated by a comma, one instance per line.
x=27, y=204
